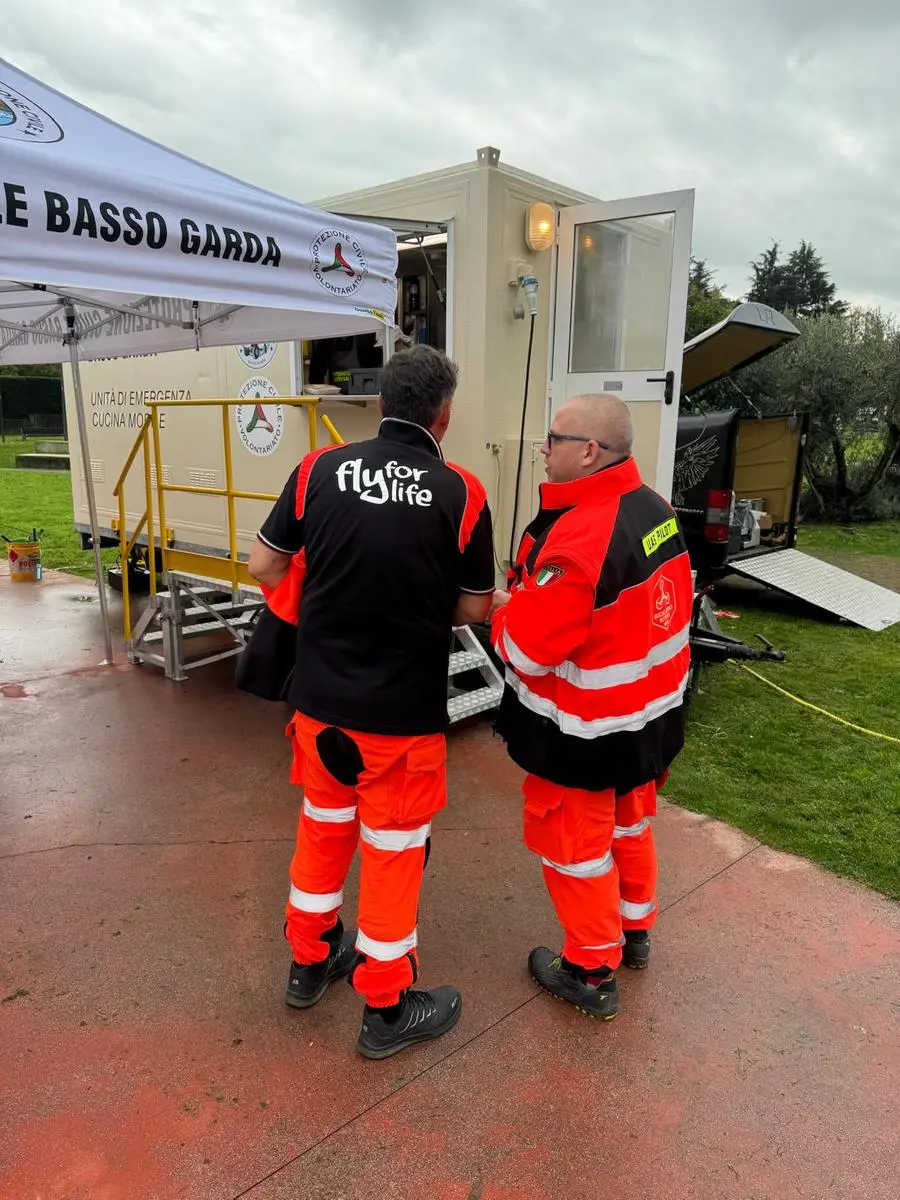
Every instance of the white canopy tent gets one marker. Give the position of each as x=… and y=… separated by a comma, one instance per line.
x=112, y=245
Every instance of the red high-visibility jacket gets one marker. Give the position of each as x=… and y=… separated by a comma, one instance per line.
x=596, y=635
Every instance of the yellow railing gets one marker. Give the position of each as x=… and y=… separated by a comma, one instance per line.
x=230, y=568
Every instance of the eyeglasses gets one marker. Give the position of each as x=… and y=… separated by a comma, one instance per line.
x=572, y=437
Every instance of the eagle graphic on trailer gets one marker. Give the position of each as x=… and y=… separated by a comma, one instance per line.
x=693, y=463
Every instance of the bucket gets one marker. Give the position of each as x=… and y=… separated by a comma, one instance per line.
x=24, y=561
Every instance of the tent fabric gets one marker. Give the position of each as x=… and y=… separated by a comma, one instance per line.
x=156, y=252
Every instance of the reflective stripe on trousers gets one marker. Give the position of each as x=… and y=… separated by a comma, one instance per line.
x=399, y=786
x=637, y=912
x=599, y=864
x=592, y=869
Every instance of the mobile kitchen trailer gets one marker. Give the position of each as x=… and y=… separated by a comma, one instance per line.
x=479, y=245
x=537, y=291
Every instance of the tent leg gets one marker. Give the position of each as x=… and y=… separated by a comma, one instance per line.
x=72, y=340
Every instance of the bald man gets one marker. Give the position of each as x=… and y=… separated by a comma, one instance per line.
x=594, y=631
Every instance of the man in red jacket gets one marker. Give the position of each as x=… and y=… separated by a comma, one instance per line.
x=594, y=631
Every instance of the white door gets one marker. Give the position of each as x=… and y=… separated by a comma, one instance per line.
x=621, y=295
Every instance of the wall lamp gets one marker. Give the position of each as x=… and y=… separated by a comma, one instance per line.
x=540, y=225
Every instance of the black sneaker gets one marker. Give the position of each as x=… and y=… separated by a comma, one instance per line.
x=636, y=951
x=421, y=1017
x=594, y=993
x=307, y=985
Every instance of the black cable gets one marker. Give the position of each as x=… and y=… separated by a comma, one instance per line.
x=515, y=512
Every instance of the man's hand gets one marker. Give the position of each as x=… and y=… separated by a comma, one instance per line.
x=499, y=598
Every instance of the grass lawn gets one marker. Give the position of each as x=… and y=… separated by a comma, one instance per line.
x=43, y=500
x=794, y=779
x=10, y=447
x=875, y=537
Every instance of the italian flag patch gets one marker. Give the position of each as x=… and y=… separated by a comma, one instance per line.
x=547, y=574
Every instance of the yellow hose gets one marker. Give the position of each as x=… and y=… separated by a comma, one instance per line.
x=823, y=712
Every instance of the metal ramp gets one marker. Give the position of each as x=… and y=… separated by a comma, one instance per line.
x=827, y=587
x=193, y=607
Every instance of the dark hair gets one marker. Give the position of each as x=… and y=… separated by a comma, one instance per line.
x=416, y=383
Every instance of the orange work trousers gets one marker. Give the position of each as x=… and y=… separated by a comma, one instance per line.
x=380, y=793
x=599, y=864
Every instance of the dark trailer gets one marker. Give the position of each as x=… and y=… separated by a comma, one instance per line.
x=737, y=481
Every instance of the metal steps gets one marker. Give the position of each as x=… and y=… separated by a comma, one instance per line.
x=464, y=660
x=191, y=607
x=469, y=704
x=240, y=620
x=471, y=656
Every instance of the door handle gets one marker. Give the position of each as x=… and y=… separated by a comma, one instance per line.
x=669, y=380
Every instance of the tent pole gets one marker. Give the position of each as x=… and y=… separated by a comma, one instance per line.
x=72, y=341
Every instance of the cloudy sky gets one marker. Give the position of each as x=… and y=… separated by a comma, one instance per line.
x=780, y=113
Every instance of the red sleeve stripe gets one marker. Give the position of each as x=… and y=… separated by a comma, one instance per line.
x=303, y=474
x=476, y=498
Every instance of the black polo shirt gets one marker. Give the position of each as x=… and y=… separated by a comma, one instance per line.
x=392, y=533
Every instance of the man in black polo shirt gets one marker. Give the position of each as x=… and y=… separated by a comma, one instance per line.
x=389, y=546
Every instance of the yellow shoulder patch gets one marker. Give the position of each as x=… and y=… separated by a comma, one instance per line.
x=660, y=534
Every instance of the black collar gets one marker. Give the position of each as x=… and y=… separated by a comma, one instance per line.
x=393, y=429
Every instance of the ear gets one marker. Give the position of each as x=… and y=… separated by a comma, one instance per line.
x=439, y=428
x=591, y=455
x=380, y=407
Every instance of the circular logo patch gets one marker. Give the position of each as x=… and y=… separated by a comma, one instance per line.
x=257, y=354
x=259, y=425
x=22, y=120
x=338, y=262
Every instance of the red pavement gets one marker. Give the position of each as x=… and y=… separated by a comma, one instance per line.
x=145, y=1052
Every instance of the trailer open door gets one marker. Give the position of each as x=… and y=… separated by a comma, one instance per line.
x=621, y=297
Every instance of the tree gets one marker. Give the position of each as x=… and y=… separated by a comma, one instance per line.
x=706, y=304
x=769, y=284
x=845, y=370
x=798, y=284
x=702, y=276
x=33, y=371
x=810, y=291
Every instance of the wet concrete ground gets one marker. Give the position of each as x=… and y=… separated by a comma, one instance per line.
x=145, y=1050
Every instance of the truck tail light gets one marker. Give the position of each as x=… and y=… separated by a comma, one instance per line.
x=719, y=505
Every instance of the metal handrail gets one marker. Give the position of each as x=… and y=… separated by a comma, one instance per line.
x=126, y=544
x=150, y=430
